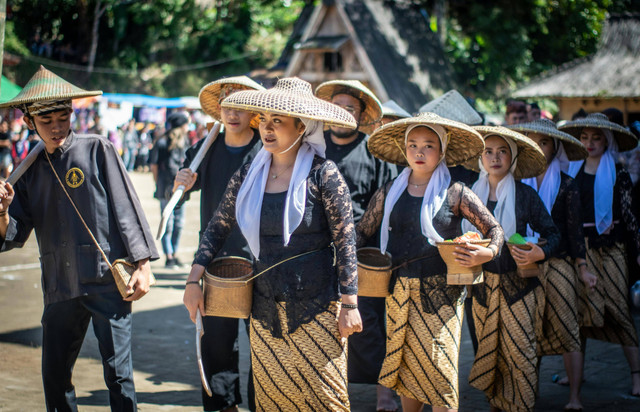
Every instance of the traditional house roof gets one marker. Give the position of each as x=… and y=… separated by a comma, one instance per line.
x=612, y=72
x=387, y=45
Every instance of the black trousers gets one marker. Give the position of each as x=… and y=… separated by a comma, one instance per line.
x=64, y=325
x=220, y=357
x=367, y=349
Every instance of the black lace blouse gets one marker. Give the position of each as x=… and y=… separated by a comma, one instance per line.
x=529, y=211
x=407, y=243
x=622, y=209
x=566, y=214
x=307, y=284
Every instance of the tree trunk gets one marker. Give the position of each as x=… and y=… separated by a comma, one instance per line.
x=98, y=11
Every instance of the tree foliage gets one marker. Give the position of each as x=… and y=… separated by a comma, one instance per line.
x=155, y=46
x=496, y=44
x=175, y=46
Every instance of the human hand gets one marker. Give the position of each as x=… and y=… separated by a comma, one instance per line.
x=525, y=257
x=139, y=283
x=349, y=322
x=6, y=196
x=186, y=178
x=471, y=254
x=193, y=297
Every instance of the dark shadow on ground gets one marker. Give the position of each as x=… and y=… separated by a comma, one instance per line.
x=181, y=398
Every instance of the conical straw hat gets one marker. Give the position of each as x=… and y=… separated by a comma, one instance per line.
x=531, y=160
x=373, y=109
x=291, y=97
x=391, y=108
x=624, y=138
x=387, y=142
x=44, y=85
x=573, y=147
x=210, y=94
x=452, y=105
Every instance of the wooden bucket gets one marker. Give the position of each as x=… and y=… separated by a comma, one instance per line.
x=227, y=291
x=374, y=272
x=531, y=270
x=456, y=273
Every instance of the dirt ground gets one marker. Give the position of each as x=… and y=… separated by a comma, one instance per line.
x=165, y=370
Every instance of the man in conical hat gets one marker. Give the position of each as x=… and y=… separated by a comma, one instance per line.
x=77, y=283
x=364, y=175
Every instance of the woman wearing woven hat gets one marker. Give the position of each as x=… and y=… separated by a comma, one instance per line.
x=293, y=208
x=506, y=306
x=605, y=194
x=562, y=272
x=420, y=207
x=77, y=176
x=237, y=145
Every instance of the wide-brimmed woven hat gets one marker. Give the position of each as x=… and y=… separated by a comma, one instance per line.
x=452, y=105
x=531, y=160
x=44, y=86
x=573, y=147
x=387, y=142
x=391, y=108
x=210, y=95
x=373, y=109
x=292, y=97
x=624, y=138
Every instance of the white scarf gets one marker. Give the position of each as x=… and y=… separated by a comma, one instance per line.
x=505, y=211
x=548, y=190
x=604, y=183
x=251, y=193
x=434, y=195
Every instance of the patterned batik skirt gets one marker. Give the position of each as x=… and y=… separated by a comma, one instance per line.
x=305, y=370
x=423, y=348
x=605, y=311
x=560, y=328
x=505, y=366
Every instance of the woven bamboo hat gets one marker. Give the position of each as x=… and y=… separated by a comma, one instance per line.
x=213, y=93
x=624, y=138
x=387, y=142
x=291, y=97
x=46, y=86
x=452, y=105
x=531, y=160
x=391, y=108
x=373, y=109
x=573, y=147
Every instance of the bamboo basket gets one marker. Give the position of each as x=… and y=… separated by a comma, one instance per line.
x=456, y=273
x=227, y=291
x=374, y=272
x=531, y=270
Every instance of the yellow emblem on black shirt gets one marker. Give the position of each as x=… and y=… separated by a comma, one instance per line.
x=74, y=177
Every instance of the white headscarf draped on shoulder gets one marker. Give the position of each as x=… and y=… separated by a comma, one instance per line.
x=505, y=211
x=434, y=195
x=619, y=139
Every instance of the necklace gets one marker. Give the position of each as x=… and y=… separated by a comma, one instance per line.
x=275, y=175
x=416, y=186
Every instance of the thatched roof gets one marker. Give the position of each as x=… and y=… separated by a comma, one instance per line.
x=613, y=71
x=408, y=61
x=405, y=52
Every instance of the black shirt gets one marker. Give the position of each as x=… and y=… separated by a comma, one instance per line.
x=363, y=172
x=215, y=171
x=95, y=178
